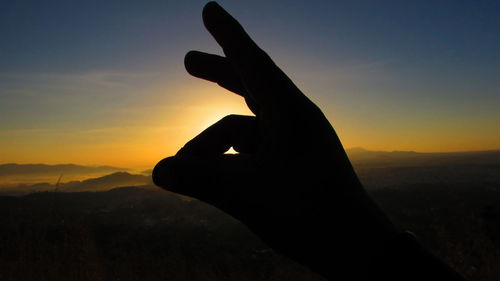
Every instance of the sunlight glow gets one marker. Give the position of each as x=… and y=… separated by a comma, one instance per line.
x=231, y=151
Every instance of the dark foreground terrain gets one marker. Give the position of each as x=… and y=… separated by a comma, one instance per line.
x=141, y=233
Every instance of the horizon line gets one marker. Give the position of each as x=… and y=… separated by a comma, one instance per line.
x=346, y=149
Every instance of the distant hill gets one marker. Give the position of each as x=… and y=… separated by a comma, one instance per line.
x=360, y=156
x=385, y=169
x=118, y=179
x=147, y=172
x=14, y=174
x=107, y=182
x=376, y=169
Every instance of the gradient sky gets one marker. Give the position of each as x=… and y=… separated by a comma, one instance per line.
x=103, y=82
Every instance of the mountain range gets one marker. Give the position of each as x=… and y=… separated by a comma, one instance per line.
x=360, y=156
x=13, y=174
x=375, y=169
x=382, y=169
x=107, y=182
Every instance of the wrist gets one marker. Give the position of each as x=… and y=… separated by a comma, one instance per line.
x=404, y=258
x=353, y=248
x=332, y=242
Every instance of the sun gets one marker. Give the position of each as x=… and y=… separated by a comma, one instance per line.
x=231, y=151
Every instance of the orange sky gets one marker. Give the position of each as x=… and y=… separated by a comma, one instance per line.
x=164, y=128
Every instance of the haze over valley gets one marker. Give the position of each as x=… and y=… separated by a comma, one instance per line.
x=376, y=169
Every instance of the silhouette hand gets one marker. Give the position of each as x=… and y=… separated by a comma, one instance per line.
x=291, y=183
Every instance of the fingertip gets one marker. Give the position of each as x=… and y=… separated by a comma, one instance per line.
x=210, y=9
x=189, y=58
x=164, y=174
x=189, y=55
x=211, y=5
x=217, y=20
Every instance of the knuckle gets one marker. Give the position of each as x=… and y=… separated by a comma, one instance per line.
x=231, y=118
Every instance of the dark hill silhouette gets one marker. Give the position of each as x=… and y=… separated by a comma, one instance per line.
x=375, y=168
x=360, y=156
x=389, y=169
x=104, y=183
x=152, y=222
x=117, y=179
x=13, y=174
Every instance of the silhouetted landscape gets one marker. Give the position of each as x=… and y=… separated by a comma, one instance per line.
x=118, y=226
x=103, y=183
x=13, y=174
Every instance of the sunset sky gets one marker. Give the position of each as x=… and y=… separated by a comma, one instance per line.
x=103, y=82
